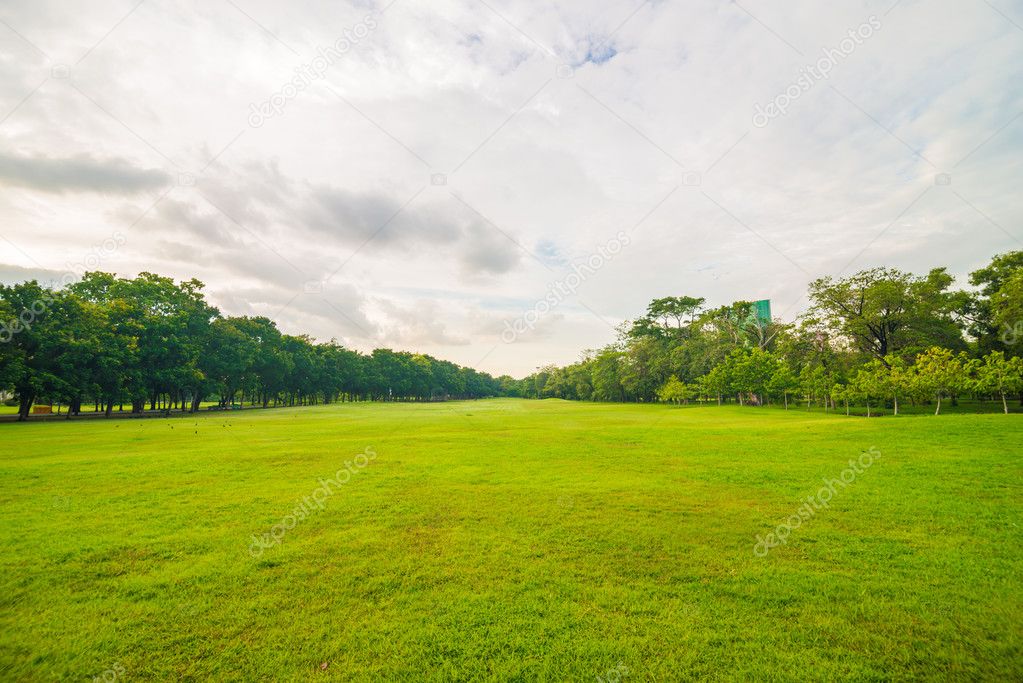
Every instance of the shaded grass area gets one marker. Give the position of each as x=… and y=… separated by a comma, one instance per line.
x=511, y=540
x=90, y=408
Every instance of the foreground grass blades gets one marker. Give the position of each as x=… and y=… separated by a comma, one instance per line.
x=510, y=540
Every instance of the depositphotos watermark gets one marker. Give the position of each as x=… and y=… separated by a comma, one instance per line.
x=112, y=674
x=305, y=507
x=780, y=536
x=308, y=73
x=1011, y=334
x=811, y=74
x=72, y=273
x=614, y=675
x=558, y=291
x=26, y=319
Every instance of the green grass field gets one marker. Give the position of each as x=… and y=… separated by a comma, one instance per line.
x=511, y=540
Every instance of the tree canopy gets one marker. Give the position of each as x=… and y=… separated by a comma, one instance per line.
x=152, y=341
x=879, y=335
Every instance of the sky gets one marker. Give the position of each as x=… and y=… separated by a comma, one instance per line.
x=503, y=184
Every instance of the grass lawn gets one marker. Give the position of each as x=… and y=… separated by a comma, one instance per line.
x=511, y=540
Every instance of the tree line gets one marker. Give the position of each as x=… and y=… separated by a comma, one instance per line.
x=875, y=338
x=129, y=343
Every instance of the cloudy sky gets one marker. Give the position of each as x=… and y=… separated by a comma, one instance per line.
x=419, y=174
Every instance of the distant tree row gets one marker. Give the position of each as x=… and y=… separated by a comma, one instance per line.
x=881, y=335
x=759, y=377
x=148, y=341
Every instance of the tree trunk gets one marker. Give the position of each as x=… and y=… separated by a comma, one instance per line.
x=786, y=400
x=937, y=411
x=1005, y=406
x=868, y=407
x=24, y=406
x=896, y=398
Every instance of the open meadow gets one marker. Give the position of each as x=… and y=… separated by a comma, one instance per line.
x=510, y=342
x=512, y=540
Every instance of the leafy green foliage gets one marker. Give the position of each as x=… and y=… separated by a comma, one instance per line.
x=674, y=391
x=149, y=340
x=884, y=311
x=862, y=334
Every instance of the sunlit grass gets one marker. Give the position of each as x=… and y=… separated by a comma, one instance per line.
x=511, y=539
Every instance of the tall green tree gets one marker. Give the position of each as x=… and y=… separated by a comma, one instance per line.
x=673, y=391
x=669, y=317
x=999, y=375
x=942, y=374
x=993, y=311
x=884, y=311
x=783, y=382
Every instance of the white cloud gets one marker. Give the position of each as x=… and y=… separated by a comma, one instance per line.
x=418, y=179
